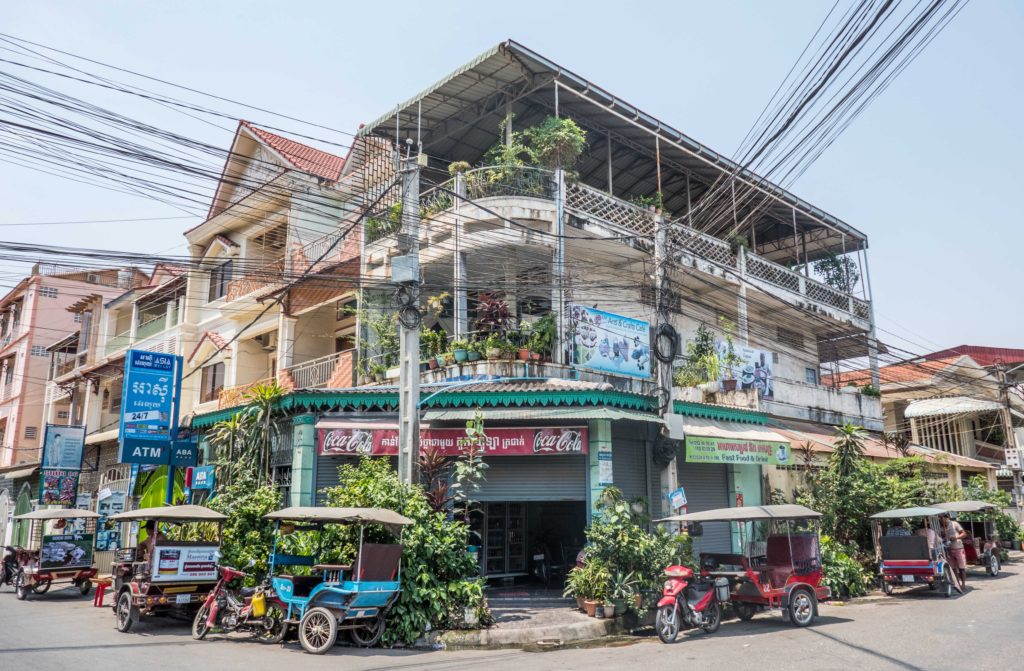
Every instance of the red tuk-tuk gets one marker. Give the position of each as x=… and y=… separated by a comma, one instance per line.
x=906, y=558
x=64, y=555
x=779, y=566
x=981, y=547
x=166, y=572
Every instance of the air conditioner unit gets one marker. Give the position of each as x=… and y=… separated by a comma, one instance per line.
x=92, y=278
x=268, y=341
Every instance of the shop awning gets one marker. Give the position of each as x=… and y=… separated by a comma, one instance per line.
x=709, y=428
x=101, y=437
x=953, y=405
x=20, y=473
x=520, y=414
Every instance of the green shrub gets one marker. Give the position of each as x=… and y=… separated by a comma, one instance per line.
x=842, y=573
x=247, y=536
x=439, y=578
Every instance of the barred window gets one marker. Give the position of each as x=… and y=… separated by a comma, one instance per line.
x=48, y=292
x=789, y=338
x=39, y=350
x=31, y=432
x=62, y=414
x=78, y=317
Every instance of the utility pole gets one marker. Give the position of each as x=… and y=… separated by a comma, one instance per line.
x=669, y=476
x=1011, y=437
x=558, y=305
x=405, y=272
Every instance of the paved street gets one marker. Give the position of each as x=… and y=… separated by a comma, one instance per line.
x=907, y=632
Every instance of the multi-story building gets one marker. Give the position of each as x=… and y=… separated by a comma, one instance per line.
x=531, y=241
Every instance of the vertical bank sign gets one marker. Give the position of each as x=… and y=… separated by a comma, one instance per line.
x=151, y=383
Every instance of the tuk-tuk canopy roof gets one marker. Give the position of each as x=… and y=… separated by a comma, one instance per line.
x=967, y=506
x=340, y=515
x=171, y=514
x=57, y=514
x=747, y=514
x=900, y=513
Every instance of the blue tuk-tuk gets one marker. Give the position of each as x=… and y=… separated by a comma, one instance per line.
x=330, y=597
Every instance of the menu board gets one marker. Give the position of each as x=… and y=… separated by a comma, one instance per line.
x=178, y=563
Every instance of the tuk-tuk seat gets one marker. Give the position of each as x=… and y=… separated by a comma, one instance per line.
x=302, y=585
x=905, y=548
x=378, y=562
x=786, y=556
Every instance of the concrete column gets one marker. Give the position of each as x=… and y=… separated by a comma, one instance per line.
x=742, y=322
x=285, y=341
x=558, y=304
x=303, y=453
x=134, y=324
x=171, y=317
x=599, y=451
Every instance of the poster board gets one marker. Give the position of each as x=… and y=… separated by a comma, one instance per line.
x=709, y=450
x=61, y=465
x=181, y=563
x=66, y=551
x=151, y=383
x=108, y=534
x=610, y=343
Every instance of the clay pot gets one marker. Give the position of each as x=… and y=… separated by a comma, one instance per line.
x=590, y=606
x=524, y=354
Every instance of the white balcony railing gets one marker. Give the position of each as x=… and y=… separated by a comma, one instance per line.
x=332, y=370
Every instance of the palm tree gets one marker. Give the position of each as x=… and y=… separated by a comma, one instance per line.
x=227, y=437
x=849, y=448
x=263, y=430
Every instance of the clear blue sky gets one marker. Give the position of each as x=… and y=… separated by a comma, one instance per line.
x=931, y=172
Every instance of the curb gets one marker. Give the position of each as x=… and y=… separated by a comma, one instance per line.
x=550, y=636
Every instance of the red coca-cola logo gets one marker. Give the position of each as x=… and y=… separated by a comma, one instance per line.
x=565, y=441
x=347, y=441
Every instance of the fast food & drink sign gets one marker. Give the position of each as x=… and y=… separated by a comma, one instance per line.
x=708, y=450
x=539, y=441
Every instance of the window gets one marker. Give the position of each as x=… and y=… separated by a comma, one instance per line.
x=283, y=481
x=48, y=292
x=9, y=377
x=31, y=431
x=85, y=332
x=78, y=317
x=39, y=350
x=344, y=309
x=789, y=338
x=212, y=382
x=811, y=375
x=220, y=277
x=62, y=414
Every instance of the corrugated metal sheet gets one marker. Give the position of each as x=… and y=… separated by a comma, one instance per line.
x=629, y=459
x=530, y=478
x=707, y=488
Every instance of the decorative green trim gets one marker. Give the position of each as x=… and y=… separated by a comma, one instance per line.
x=305, y=418
x=723, y=413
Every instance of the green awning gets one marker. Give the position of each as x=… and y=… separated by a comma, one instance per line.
x=720, y=412
x=516, y=414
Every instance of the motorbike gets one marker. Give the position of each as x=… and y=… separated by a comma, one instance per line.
x=8, y=566
x=690, y=603
x=253, y=609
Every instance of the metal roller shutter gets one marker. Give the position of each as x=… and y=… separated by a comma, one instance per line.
x=629, y=460
x=529, y=478
x=326, y=473
x=707, y=488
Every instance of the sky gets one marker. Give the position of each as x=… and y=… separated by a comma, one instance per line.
x=930, y=172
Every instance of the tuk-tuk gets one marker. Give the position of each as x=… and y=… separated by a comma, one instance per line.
x=779, y=565
x=908, y=557
x=164, y=572
x=64, y=555
x=335, y=596
x=981, y=547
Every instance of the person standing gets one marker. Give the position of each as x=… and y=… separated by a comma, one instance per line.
x=954, y=534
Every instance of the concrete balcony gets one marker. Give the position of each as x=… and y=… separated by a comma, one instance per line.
x=117, y=343
x=272, y=273
x=826, y=405
x=334, y=371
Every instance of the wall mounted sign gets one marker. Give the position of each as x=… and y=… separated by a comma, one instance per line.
x=704, y=450
x=500, y=442
x=610, y=343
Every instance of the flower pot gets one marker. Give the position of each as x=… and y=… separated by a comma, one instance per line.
x=579, y=603
x=440, y=359
x=609, y=609
x=524, y=354
x=728, y=385
x=432, y=364
x=535, y=356
x=590, y=606
x=494, y=353
x=423, y=366
x=460, y=355
x=474, y=355
x=619, y=606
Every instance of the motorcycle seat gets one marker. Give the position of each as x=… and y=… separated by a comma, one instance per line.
x=247, y=591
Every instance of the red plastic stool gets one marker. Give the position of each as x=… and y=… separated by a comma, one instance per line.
x=101, y=589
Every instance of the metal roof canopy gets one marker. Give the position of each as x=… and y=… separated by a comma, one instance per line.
x=332, y=515
x=903, y=513
x=57, y=514
x=747, y=514
x=171, y=514
x=457, y=119
x=951, y=405
x=967, y=506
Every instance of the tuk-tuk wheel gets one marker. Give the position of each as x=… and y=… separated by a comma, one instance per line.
x=318, y=630
x=41, y=587
x=367, y=637
x=801, y=608
x=744, y=611
x=84, y=586
x=993, y=565
x=21, y=589
x=127, y=613
x=947, y=582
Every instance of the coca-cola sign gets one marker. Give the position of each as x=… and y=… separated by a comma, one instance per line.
x=341, y=441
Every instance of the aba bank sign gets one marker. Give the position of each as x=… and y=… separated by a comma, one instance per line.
x=500, y=442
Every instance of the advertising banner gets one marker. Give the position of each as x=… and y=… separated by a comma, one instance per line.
x=66, y=551
x=151, y=381
x=203, y=477
x=176, y=563
x=702, y=450
x=63, y=446
x=108, y=534
x=185, y=450
x=58, y=487
x=500, y=442
x=754, y=370
x=610, y=343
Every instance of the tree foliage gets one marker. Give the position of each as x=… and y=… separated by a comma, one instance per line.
x=247, y=535
x=244, y=443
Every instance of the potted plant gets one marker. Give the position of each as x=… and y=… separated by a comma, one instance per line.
x=460, y=350
x=543, y=336
x=448, y=359
x=729, y=360
x=621, y=589
x=522, y=340
x=475, y=350
x=608, y=609
x=738, y=242
x=494, y=345
x=378, y=371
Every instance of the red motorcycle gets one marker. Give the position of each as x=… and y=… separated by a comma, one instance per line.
x=253, y=609
x=689, y=603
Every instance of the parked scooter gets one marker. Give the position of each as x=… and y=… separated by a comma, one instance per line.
x=8, y=565
x=689, y=603
x=253, y=609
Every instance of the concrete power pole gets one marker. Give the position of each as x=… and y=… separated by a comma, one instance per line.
x=405, y=272
x=1011, y=437
x=668, y=478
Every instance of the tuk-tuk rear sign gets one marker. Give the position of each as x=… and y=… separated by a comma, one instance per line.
x=708, y=450
x=151, y=382
x=177, y=563
x=65, y=551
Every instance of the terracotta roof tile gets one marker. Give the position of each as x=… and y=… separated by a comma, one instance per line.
x=301, y=156
x=217, y=339
x=902, y=372
x=984, y=356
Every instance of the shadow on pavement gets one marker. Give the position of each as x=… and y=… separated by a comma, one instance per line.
x=868, y=651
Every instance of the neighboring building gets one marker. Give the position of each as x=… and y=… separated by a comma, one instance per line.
x=253, y=324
